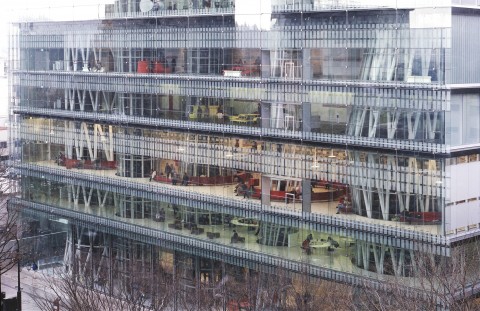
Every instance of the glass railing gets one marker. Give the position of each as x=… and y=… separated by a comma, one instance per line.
x=331, y=167
x=327, y=54
x=221, y=197
x=325, y=251
x=214, y=124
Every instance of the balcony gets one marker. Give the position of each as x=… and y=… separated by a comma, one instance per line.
x=221, y=198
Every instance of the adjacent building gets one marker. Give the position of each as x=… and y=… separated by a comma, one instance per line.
x=215, y=136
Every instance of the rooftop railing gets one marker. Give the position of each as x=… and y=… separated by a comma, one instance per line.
x=246, y=208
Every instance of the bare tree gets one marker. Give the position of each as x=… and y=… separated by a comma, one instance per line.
x=438, y=282
x=77, y=292
x=285, y=290
x=9, y=244
x=434, y=281
x=87, y=291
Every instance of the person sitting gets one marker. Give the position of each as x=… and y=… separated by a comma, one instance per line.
x=81, y=164
x=237, y=186
x=158, y=5
x=160, y=215
x=97, y=163
x=257, y=64
x=298, y=192
x=242, y=189
x=247, y=194
x=295, y=193
x=333, y=242
x=220, y=115
x=235, y=237
x=61, y=159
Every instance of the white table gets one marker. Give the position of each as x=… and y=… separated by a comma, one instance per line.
x=241, y=223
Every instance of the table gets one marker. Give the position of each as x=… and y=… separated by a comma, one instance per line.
x=322, y=190
x=232, y=73
x=213, y=235
x=320, y=245
x=241, y=222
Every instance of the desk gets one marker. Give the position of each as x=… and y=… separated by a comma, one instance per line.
x=213, y=235
x=232, y=73
x=325, y=195
x=320, y=245
x=177, y=226
x=245, y=118
x=326, y=246
x=322, y=190
x=241, y=222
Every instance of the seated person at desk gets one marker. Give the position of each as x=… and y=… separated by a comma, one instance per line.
x=235, y=237
x=158, y=5
x=247, y=194
x=295, y=194
x=333, y=242
x=60, y=160
x=241, y=188
x=81, y=163
x=160, y=215
x=220, y=115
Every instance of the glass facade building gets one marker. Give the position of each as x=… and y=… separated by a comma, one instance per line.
x=177, y=123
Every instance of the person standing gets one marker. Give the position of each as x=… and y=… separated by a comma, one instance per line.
x=174, y=64
x=220, y=115
x=185, y=179
x=174, y=178
x=168, y=170
x=152, y=176
x=306, y=245
x=254, y=146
